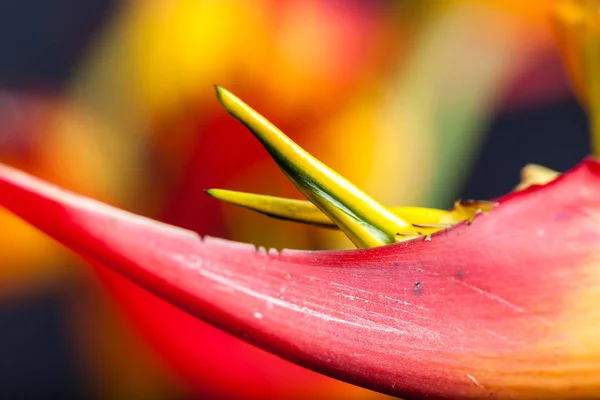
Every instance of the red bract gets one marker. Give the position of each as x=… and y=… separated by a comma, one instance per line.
x=505, y=306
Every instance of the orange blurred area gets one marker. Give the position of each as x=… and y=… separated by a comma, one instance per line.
x=379, y=90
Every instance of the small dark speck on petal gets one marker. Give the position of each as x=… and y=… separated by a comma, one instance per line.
x=459, y=275
x=417, y=289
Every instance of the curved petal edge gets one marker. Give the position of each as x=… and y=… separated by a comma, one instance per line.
x=505, y=306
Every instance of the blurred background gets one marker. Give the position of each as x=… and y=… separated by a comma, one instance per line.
x=419, y=102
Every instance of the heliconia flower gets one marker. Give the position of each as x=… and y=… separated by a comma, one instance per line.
x=361, y=218
x=503, y=306
x=156, y=105
x=485, y=300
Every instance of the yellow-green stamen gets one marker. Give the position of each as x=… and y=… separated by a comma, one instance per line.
x=425, y=220
x=366, y=222
x=275, y=207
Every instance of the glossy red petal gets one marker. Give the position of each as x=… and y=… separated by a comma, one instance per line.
x=505, y=306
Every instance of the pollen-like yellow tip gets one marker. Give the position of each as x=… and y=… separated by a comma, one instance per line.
x=534, y=174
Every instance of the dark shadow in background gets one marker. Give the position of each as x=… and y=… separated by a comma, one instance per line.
x=41, y=43
x=36, y=357
x=555, y=136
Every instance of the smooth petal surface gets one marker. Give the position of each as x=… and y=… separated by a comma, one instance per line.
x=505, y=306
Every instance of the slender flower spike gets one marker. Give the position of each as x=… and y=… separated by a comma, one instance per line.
x=362, y=219
x=427, y=220
x=276, y=207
